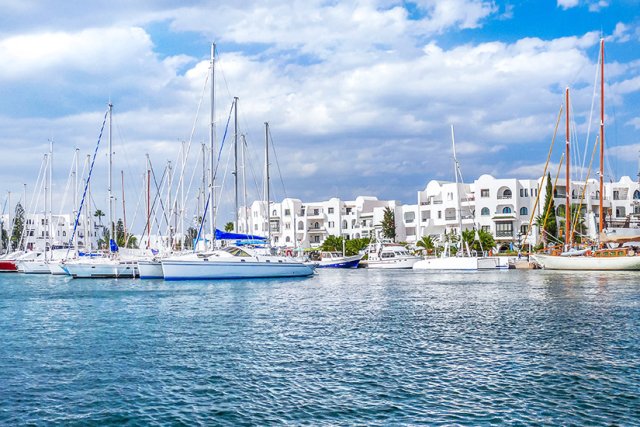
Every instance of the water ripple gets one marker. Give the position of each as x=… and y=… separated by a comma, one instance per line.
x=342, y=348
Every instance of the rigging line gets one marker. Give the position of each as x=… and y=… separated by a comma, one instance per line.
x=544, y=173
x=135, y=216
x=123, y=147
x=273, y=148
x=574, y=222
x=159, y=193
x=593, y=100
x=68, y=184
x=86, y=185
x=32, y=206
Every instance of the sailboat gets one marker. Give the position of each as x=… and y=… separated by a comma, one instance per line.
x=233, y=261
x=110, y=266
x=599, y=258
x=464, y=259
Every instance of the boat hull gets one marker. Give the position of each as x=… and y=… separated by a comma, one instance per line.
x=343, y=262
x=150, y=270
x=457, y=263
x=8, y=266
x=35, y=267
x=212, y=270
x=100, y=270
x=392, y=264
x=552, y=262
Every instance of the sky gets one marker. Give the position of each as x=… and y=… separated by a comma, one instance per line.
x=360, y=96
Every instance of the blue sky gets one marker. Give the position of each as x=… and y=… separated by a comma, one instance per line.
x=360, y=95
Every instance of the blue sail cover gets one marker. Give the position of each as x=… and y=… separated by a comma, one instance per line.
x=223, y=235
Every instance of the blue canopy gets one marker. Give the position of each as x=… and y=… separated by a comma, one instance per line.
x=223, y=235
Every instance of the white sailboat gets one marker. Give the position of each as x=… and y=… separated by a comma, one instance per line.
x=110, y=265
x=464, y=259
x=620, y=258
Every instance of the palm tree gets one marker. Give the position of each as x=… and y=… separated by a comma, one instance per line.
x=484, y=242
x=332, y=244
x=228, y=227
x=427, y=243
x=99, y=214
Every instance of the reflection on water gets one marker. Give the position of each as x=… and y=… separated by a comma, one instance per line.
x=343, y=347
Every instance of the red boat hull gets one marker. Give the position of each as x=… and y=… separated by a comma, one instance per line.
x=8, y=265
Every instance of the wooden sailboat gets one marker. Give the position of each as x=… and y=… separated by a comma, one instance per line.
x=598, y=258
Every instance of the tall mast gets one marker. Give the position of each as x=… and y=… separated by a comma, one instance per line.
x=89, y=234
x=212, y=148
x=148, y=202
x=266, y=179
x=244, y=184
x=50, y=214
x=601, y=201
x=235, y=156
x=567, y=210
x=75, y=198
x=110, y=195
x=124, y=209
x=455, y=172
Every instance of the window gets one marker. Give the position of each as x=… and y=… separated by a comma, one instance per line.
x=486, y=228
x=504, y=229
x=636, y=195
x=507, y=194
x=316, y=225
x=287, y=212
x=316, y=211
x=345, y=224
x=330, y=210
x=522, y=192
x=616, y=195
x=484, y=193
x=526, y=192
x=274, y=213
x=300, y=225
x=524, y=229
x=485, y=212
x=524, y=211
x=439, y=214
x=287, y=239
x=506, y=209
x=316, y=239
x=331, y=224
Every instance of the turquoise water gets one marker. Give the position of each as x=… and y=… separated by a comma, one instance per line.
x=342, y=348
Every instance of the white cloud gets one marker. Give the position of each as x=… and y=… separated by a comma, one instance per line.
x=568, y=4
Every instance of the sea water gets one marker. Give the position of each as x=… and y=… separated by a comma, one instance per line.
x=344, y=347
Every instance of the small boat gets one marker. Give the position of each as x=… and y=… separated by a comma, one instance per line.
x=457, y=263
x=233, y=262
x=337, y=260
x=100, y=268
x=8, y=263
x=390, y=256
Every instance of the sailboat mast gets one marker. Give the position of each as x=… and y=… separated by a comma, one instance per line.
x=148, y=202
x=455, y=172
x=110, y=189
x=124, y=209
x=212, y=149
x=235, y=157
x=75, y=198
x=266, y=180
x=50, y=214
x=567, y=210
x=601, y=201
x=244, y=185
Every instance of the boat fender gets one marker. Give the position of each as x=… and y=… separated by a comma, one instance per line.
x=288, y=253
x=587, y=253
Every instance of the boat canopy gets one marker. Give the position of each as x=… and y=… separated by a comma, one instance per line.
x=223, y=235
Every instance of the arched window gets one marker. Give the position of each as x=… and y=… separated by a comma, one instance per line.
x=524, y=211
x=507, y=194
x=636, y=195
x=287, y=239
x=506, y=210
x=300, y=225
x=316, y=225
x=274, y=213
x=345, y=224
x=484, y=212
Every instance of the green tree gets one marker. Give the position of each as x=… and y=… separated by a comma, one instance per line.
x=99, y=214
x=192, y=233
x=389, y=224
x=427, y=243
x=332, y=244
x=18, y=225
x=486, y=242
x=547, y=221
x=228, y=227
x=355, y=246
x=120, y=234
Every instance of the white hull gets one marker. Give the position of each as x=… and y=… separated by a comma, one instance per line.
x=56, y=269
x=34, y=267
x=552, y=262
x=148, y=269
x=394, y=263
x=457, y=263
x=100, y=269
x=197, y=270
